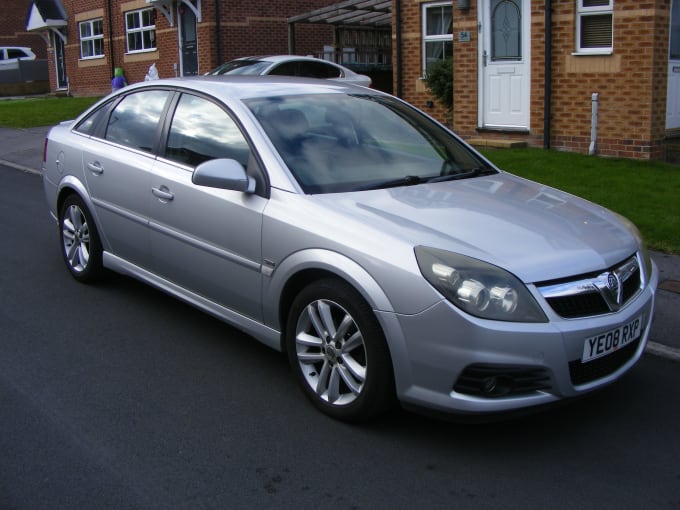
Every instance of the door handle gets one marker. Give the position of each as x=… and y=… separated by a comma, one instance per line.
x=485, y=56
x=96, y=168
x=163, y=193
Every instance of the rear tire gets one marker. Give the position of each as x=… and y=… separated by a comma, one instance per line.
x=338, y=352
x=80, y=244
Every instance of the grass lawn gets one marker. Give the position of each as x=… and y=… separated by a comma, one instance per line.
x=647, y=193
x=41, y=111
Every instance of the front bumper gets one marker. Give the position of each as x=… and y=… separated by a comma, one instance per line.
x=435, y=350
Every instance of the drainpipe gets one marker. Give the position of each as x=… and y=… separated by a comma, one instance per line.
x=400, y=80
x=593, y=126
x=113, y=53
x=547, y=86
x=218, y=29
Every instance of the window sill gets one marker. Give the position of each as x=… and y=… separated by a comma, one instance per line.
x=601, y=53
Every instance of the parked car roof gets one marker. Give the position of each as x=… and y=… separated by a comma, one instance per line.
x=291, y=65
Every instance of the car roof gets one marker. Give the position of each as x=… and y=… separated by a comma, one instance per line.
x=248, y=87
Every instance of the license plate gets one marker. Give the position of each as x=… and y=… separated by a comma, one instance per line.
x=610, y=341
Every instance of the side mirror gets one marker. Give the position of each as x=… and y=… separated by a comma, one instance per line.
x=223, y=174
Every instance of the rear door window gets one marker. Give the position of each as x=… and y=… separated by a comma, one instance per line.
x=134, y=122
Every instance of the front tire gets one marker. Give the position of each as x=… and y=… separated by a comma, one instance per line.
x=80, y=244
x=338, y=352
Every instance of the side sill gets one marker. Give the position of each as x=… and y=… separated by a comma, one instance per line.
x=268, y=336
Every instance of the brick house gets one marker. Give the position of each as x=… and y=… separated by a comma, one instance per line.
x=88, y=39
x=13, y=31
x=540, y=71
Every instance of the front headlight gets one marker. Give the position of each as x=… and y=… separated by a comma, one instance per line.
x=478, y=288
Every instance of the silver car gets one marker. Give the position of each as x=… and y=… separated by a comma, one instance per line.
x=388, y=259
x=291, y=65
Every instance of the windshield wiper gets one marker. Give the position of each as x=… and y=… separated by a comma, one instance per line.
x=473, y=172
x=412, y=180
x=408, y=180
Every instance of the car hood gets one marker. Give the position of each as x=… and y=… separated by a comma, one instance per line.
x=534, y=231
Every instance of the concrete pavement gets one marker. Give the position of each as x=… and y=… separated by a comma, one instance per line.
x=22, y=149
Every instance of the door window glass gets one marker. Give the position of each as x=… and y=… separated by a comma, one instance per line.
x=134, y=121
x=201, y=131
x=286, y=69
x=318, y=70
x=506, y=33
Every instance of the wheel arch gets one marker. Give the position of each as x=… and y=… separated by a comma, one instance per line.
x=304, y=267
x=71, y=185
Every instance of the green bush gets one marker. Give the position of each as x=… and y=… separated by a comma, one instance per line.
x=440, y=81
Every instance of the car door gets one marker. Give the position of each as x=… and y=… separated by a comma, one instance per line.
x=206, y=240
x=117, y=166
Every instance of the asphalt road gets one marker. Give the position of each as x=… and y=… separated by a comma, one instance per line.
x=116, y=396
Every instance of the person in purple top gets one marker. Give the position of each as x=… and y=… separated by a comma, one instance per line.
x=119, y=80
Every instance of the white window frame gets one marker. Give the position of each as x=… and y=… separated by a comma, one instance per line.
x=141, y=29
x=90, y=40
x=585, y=11
x=433, y=38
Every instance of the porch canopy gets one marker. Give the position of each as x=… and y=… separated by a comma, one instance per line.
x=350, y=12
x=47, y=15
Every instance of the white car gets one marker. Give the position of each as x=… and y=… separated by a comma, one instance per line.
x=12, y=54
x=292, y=65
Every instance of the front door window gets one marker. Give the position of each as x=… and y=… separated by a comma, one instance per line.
x=506, y=32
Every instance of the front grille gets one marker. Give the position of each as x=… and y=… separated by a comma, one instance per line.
x=582, y=305
x=594, y=294
x=582, y=373
x=493, y=381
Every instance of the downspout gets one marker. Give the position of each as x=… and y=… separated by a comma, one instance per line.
x=400, y=80
x=593, y=125
x=218, y=30
x=547, y=86
x=113, y=53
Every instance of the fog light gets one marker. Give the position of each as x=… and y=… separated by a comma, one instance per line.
x=489, y=385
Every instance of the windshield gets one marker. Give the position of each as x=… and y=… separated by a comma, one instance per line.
x=339, y=142
x=251, y=67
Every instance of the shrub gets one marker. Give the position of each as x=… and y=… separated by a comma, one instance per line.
x=440, y=81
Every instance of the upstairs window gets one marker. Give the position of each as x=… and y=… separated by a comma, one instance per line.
x=91, y=38
x=140, y=30
x=437, y=33
x=595, y=26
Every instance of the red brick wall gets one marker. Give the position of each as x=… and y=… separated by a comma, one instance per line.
x=631, y=82
x=246, y=28
x=413, y=85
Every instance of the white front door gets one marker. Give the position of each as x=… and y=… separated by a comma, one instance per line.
x=673, y=97
x=505, y=70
